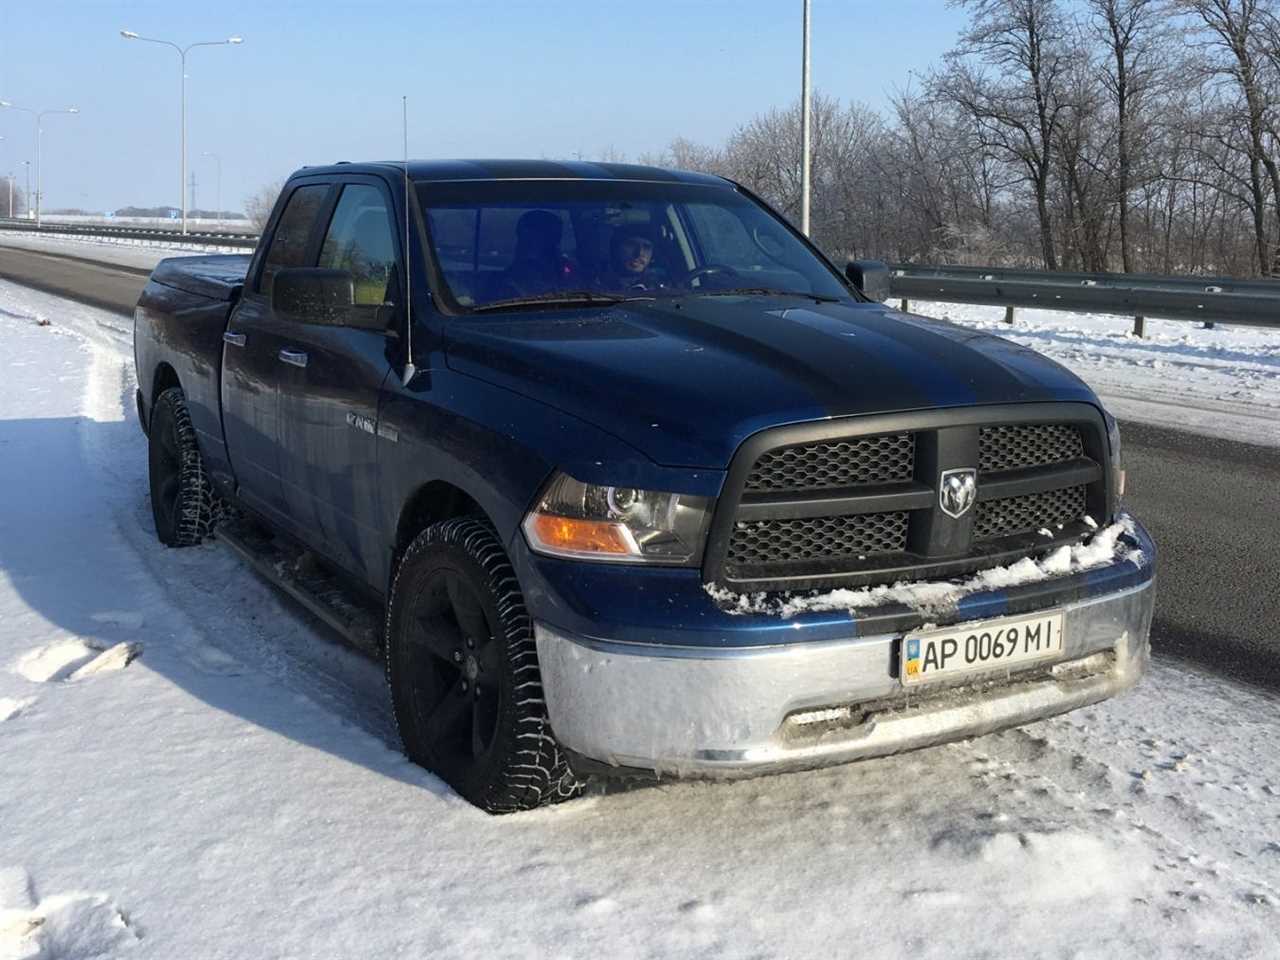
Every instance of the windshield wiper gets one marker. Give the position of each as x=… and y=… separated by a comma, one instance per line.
x=766, y=292
x=560, y=298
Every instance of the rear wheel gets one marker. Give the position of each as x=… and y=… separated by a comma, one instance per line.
x=462, y=668
x=184, y=505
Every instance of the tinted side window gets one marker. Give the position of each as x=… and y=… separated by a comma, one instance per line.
x=361, y=241
x=289, y=244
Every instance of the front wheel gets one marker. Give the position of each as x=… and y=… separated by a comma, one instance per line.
x=462, y=668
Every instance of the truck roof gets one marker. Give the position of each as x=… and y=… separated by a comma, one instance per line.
x=442, y=170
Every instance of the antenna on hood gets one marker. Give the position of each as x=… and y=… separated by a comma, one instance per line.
x=409, y=369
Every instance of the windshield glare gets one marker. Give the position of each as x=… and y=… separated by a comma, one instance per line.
x=525, y=241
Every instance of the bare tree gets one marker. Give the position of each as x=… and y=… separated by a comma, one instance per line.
x=1236, y=30
x=1007, y=75
x=1129, y=31
x=258, y=206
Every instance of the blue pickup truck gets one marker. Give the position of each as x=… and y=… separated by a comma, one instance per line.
x=619, y=475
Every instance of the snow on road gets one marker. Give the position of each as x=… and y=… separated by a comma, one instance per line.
x=228, y=784
x=1223, y=382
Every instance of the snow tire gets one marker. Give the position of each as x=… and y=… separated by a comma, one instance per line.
x=184, y=504
x=453, y=572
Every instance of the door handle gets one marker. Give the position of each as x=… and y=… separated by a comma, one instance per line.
x=294, y=357
x=235, y=339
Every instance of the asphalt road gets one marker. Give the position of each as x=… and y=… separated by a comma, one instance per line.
x=1213, y=507
x=109, y=287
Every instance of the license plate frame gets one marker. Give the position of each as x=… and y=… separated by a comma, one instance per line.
x=926, y=658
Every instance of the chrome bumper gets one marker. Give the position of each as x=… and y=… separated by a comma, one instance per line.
x=744, y=711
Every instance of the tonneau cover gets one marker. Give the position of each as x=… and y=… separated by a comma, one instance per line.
x=215, y=277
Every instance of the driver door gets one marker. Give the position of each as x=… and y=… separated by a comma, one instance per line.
x=330, y=386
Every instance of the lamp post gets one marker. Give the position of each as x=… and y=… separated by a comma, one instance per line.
x=26, y=197
x=804, y=128
x=182, y=58
x=218, y=192
x=10, y=179
x=39, y=115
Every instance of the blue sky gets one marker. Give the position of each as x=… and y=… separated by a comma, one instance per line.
x=316, y=82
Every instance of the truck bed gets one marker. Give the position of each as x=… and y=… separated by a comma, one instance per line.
x=177, y=339
x=215, y=277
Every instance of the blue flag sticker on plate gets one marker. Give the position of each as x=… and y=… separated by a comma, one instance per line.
x=913, y=658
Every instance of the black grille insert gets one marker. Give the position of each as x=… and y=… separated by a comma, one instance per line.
x=765, y=542
x=1029, y=513
x=836, y=463
x=1014, y=445
x=855, y=502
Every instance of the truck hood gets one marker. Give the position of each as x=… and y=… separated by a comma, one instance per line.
x=685, y=381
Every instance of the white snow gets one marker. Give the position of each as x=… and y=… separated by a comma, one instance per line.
x=932, y=597
x=237, y=791
x=1223, y=382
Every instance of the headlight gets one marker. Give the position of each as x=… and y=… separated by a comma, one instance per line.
x=621, y=524
x=1117, y=465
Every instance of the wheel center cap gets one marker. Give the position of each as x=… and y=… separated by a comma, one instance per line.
x=471, y=668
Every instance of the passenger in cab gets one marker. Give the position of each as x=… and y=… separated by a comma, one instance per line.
x=631, y=267
x=537, y=267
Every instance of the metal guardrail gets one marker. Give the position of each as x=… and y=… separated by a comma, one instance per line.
x=208, y=237
x=1200, y=299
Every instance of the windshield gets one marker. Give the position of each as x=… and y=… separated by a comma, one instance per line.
x=531, y=243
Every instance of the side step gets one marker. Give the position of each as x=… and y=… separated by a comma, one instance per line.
x=297, y=572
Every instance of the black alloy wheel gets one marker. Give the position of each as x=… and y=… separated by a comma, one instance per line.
x=456, y=680
x=462, y=668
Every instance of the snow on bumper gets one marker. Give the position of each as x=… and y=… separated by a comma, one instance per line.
x=743, y=711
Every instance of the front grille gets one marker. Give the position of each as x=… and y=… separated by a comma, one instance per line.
x=818, y=505
x=789, y=541
x=1050, y=511
x=1014, y=445
x=835, y=464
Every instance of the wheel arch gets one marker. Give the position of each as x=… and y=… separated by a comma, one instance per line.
x=163, y=378
x=430, y=503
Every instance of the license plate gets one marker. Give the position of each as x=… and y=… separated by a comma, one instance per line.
x=974, y=647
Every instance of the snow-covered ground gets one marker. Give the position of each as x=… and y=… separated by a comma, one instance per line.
x=115, y=250
x=1223, y=382
x=228, y=784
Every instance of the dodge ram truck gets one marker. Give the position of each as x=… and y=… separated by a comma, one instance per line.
x=619, y=475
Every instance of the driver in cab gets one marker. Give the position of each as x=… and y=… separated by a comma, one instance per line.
x=631, y=266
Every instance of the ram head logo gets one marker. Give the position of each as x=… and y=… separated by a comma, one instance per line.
x=957, y=490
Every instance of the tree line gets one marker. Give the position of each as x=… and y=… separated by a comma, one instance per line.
x=1128, y=135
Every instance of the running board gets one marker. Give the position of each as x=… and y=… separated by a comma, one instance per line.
x=297, y=572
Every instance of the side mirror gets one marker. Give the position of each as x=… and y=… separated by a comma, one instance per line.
x=871, y=277
x=313, y=295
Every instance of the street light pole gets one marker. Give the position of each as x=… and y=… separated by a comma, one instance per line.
x=804, y=128
x=26, y=197
x=10, y=179
x=182, y=67
x=218, y=192
x=39, y=115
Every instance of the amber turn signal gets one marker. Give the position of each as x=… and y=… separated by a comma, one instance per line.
x=576, y=537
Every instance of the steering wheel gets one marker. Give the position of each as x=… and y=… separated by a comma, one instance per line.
x=709, y=270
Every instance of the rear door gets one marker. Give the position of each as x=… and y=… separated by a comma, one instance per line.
x=251, y=365
x=329, y=394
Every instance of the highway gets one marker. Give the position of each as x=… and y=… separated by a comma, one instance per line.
x=1213, y=507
